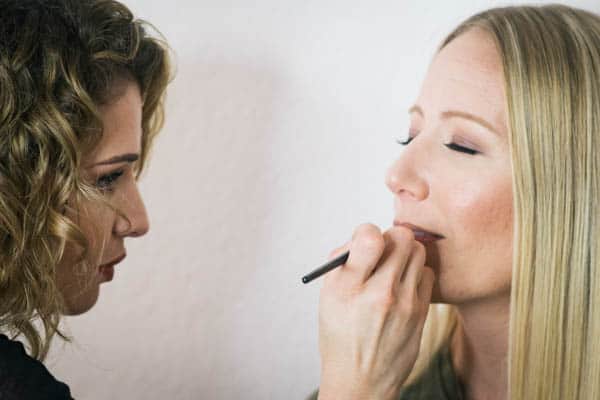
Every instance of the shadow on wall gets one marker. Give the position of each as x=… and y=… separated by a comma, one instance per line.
x=212, y=167
x=165, y=319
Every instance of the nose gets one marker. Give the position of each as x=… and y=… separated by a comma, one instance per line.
x=132, y=221
x=406, y=176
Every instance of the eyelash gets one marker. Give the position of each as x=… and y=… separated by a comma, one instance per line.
x=452, y=146
x=106, y=182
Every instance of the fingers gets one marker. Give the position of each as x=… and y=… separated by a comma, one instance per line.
x=426, y=285
x=414, y=269
x=334, y=274
x=402, y=271
x=402, y=253
x=366, y=248
x=385, y=260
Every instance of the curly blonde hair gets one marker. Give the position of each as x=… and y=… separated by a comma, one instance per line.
x=60, y=60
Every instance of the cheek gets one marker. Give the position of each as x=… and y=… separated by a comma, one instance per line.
x=479, y=239
x=483, y=213
x=78, y=289
x=96, y=225
x=483, y=234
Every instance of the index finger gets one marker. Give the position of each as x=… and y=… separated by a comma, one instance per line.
x=366, y=249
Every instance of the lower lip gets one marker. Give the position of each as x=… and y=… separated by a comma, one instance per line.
x=107, y=272
x=426, y=238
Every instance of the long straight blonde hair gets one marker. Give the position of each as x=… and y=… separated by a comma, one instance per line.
x=551, y=61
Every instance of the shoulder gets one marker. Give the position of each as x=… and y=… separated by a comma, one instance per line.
x=23, y=377
x=438, y=381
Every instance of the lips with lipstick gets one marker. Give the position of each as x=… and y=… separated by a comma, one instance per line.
x=107, y=270
x=421, y=234
x=114, y=262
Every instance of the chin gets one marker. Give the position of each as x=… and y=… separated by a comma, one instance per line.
x=444, y=295
x=82, y=302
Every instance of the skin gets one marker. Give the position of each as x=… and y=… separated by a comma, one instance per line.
x=104, y=228
x=467, y=199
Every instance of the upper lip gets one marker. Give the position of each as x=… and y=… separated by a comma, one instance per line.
x=416, y=228
x=115, y=261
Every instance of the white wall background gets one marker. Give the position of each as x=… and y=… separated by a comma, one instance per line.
x=281, y=123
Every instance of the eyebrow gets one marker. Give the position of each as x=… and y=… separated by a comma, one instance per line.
x=459, y=114
x=129, y=157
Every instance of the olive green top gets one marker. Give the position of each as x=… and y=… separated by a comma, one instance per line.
x=438, y=381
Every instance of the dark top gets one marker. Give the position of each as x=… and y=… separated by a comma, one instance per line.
x=25, y=378
x=438, y=381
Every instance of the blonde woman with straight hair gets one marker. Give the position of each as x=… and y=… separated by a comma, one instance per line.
x=499, y=298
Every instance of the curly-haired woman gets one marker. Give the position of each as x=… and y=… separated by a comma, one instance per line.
x=82, y=86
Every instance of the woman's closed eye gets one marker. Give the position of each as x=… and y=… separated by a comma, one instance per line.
x=107, y=182
x=452, y=146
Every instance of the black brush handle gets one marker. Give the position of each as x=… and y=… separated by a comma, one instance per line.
x=336, y=262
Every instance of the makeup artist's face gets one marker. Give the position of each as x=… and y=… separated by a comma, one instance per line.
x=111, y=167
x=465, y=197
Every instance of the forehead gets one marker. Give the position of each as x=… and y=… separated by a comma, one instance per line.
x=122, y=123
x=466, y=75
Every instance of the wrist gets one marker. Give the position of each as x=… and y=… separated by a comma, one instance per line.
x=336, y=388
x=340, y=394
x=347, y=389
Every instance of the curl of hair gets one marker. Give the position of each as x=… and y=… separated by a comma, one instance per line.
x=551, y=62
x=60, y=60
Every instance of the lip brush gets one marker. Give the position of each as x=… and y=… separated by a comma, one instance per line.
x=336, y=262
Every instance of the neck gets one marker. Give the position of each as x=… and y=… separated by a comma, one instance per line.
x=479, y=348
